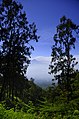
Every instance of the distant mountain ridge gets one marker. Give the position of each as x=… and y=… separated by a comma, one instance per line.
x=39, y=68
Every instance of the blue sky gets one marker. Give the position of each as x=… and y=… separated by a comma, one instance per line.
x=46, y=15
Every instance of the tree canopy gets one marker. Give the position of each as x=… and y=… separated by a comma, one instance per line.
x=63, y=63
x=15, y=50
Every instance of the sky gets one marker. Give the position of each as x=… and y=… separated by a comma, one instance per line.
x=46, y=15
x=38, y=70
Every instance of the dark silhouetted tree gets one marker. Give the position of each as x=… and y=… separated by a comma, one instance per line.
x=63, y=62
x=15, y=49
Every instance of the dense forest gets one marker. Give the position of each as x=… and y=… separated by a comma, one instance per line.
x=21, y=98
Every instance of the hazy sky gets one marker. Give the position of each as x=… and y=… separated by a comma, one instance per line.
x=46, y=15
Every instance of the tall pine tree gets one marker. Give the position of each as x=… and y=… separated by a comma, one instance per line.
x=15, y=50
x=63, y=62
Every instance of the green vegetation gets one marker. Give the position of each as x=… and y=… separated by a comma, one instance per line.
x=20, y=98
x=45, y=111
